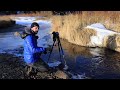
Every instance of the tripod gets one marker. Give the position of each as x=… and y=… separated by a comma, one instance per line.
x=61, y=52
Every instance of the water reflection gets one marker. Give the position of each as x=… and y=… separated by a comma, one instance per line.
x=99, y=63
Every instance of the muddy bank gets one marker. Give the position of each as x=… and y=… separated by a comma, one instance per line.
x=13, y=67
x=13, y=28
x=6, y=24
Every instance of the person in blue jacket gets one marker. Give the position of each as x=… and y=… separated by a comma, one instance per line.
x=31, y=50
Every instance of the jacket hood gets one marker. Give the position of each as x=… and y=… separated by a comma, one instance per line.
x=26, y=32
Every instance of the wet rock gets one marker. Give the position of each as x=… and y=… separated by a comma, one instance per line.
x=113, y=42
x=43, y=75
x=41, y=68
x=60, y=74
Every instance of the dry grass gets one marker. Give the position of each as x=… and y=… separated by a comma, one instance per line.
x=85, y=37
x=71, y=26
x=5, y=18
x=109, y=18
x=6, y=21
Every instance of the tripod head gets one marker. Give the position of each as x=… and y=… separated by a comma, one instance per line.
x=55, y=36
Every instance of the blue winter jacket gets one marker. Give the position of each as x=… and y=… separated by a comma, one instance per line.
x=31, y=50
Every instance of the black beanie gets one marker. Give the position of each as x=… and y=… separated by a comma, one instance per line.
x=34, y=24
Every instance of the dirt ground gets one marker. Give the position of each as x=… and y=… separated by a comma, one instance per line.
x=13, y=67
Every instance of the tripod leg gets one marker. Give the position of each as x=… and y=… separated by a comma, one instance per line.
x=50, y=52
x=59, y=49
x=62, y=53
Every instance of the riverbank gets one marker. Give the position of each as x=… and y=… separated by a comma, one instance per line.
x=12, y=66
x=90, y=29
x=6, y=21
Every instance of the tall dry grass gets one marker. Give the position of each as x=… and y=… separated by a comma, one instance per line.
x=71, y=26
x=6, y=21
x=110, y=19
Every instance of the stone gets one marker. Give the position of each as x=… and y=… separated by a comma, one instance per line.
x=60, y=74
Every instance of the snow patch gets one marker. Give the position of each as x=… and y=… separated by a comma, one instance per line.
x=102, y=32
x=79, y=76
x=98, y=25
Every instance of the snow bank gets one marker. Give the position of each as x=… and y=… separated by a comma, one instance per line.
x=104, y=38
x=98, y=25
x=102, y=32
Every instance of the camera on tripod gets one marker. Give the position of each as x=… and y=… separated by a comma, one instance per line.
x=61, y=63
x=55, y=36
